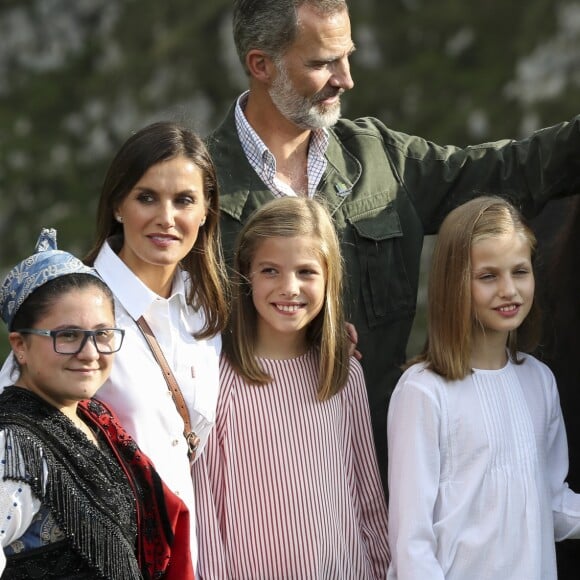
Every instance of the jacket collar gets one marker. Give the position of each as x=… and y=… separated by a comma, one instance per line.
x=237, y=179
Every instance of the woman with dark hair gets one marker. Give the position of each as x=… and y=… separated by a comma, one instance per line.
x=157, y=247
x=78, y=499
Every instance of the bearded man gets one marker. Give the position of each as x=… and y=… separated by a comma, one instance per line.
x=385, y=189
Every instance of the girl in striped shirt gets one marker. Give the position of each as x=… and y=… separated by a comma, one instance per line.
x=288, y=486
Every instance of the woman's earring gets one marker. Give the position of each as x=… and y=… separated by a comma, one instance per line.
x=202, y=222
x=119, y=219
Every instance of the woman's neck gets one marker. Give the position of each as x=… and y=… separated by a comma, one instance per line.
x=160, y=283
x=158, y=279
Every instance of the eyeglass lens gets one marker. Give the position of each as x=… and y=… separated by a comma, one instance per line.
x=72, y=341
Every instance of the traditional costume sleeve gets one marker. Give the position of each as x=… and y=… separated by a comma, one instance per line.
x=414, y=419
x=373, y=519
x=565, y=503
x=17, y=506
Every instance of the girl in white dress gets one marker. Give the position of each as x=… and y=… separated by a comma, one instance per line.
x=288, y=485
x=477, y=445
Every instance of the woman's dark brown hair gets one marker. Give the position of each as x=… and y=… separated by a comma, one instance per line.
x=204, y=263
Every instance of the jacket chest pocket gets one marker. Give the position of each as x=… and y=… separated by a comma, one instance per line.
x=383, y=284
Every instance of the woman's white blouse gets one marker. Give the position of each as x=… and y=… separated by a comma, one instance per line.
x=476, y=475
x=136, y=390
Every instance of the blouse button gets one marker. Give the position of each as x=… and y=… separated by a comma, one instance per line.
x=175, y=442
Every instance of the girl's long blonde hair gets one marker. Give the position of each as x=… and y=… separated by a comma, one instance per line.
x=450, y=312
x=290, y=217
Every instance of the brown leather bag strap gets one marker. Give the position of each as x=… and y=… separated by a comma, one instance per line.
x=190, y=437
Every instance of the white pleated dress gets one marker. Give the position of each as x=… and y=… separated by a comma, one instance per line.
x=477, y=472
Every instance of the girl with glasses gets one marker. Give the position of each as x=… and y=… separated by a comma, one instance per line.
x=78, y=499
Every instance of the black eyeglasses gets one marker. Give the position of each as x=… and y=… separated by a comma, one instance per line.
x=73, y=340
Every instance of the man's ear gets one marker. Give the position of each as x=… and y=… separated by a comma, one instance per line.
x=260, y=65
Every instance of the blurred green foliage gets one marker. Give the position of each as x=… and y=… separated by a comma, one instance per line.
x=77, y=78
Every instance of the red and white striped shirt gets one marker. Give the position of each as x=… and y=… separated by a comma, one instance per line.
x=288, y=486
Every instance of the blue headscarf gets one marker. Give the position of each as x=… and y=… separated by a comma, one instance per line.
x=46, y=264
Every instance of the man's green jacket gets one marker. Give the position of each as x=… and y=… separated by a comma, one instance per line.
x=386, y=190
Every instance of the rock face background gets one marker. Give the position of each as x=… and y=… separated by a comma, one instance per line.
x=76, y=78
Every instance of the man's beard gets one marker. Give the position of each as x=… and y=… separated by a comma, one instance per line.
x=305, y=112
